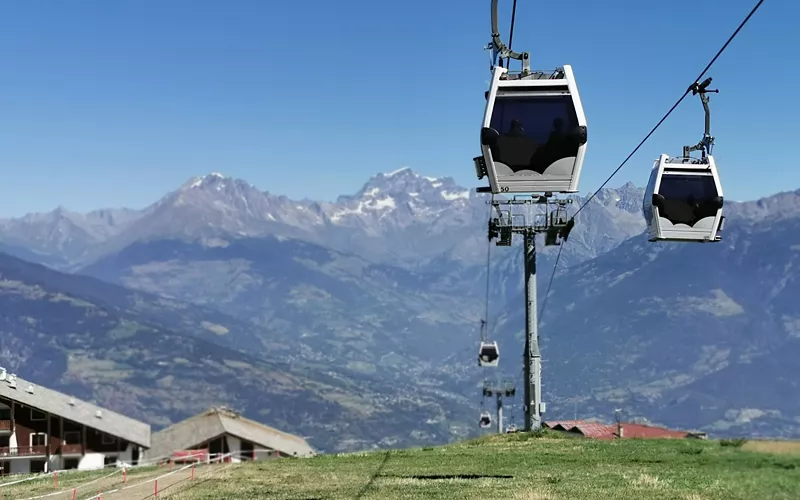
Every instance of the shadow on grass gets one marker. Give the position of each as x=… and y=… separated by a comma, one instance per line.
x=435, y=477
x=367, y=486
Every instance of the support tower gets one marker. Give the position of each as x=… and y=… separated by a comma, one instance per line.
x=549, y=216
x=499, y=390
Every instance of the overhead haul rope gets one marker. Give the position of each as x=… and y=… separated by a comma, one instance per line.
x=485, y=325
x=625, y=161
x=685, y=93
x=485, y=321
x=508, y=66
x=511, y=32
x=488, y=276
x=491, y=205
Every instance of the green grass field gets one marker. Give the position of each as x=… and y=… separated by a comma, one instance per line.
x=521, y=467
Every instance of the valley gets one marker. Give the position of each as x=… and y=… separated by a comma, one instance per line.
x=355, y=322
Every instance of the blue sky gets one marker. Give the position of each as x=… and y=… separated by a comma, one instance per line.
x=116, y=103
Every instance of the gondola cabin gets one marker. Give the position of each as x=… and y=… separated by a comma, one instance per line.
x=683, y=200
x=533, y=138
x=485, y=420
x=488, y=354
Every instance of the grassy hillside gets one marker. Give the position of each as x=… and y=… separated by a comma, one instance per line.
x=519, y=467
x=88, y=340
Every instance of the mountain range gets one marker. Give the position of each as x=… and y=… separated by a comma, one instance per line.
x=371, y=305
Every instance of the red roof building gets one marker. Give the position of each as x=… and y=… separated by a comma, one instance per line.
x=596, y=430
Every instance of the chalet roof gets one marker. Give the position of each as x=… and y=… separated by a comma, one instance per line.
x=629, y=430
x=218, y=421
x=589, y=429
x=56, y=403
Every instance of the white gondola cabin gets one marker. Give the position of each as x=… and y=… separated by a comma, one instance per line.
x=683, y=200
x=533, y=137
x=488, y=354
x=485, y=419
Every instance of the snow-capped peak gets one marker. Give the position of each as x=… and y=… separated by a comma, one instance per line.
x=400, y=170
x=404, y=184
x=196, y=182
x=401, y=196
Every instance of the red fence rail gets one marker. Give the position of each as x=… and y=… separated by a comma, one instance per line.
x=181, y=456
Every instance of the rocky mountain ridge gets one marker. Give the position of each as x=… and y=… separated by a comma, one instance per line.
x=400, y=217
x=388, y=285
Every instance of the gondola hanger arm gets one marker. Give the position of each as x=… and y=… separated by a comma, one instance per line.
x=707, y=143
x=499, y=49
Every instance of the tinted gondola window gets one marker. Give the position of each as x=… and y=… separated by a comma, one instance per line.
x=535, y=131
x=647, y=203
x=688, y=198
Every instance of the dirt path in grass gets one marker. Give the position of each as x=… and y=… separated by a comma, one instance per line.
x=167, y=484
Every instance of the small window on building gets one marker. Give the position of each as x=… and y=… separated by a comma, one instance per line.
x=38, y=439
x=37, y=466
x=5, y=413
x=5, y=468
x=110, y=460
x=5, y=441
x=109, y=439
x=72, y=437
x=71, y=463
x=37, y=415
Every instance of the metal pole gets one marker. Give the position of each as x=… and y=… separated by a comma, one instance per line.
x=499, y=413
x=532, y=367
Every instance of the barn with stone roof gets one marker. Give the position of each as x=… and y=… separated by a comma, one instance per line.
x=221, y=430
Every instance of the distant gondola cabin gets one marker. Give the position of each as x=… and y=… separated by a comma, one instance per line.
x=683, y=200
